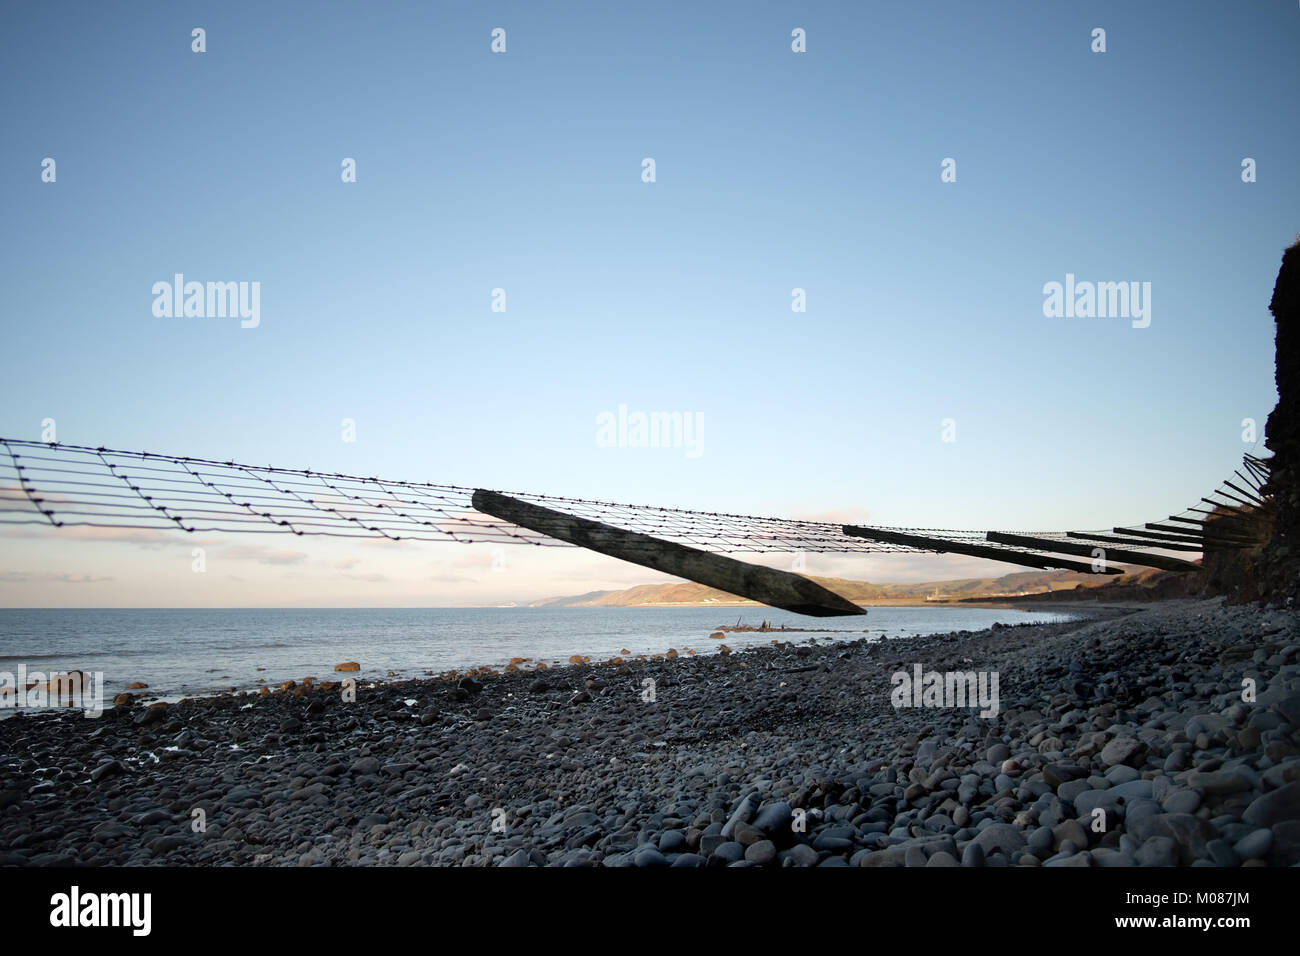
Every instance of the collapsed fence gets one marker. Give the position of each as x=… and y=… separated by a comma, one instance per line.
x=79, y=486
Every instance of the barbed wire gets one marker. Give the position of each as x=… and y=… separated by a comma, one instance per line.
x=70, y=486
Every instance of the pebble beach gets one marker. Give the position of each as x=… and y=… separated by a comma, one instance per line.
x=1153, y=735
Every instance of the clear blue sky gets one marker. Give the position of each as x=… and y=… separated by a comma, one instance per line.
x=775, y=170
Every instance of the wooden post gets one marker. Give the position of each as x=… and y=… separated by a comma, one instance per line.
x=1005, y=555
x=1134, y=542
x=1227, y=528
x=1233, y=508
x=1204, y=536
x=1128, y=557
x=1254, y=501
x=1169, y=532
x=781, y=589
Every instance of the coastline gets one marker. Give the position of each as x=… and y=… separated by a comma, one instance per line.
x=203, y=653
x=1135, y=712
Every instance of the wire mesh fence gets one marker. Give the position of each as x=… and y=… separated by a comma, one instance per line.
x=73, y=485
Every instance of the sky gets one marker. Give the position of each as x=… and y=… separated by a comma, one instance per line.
x=923, y=384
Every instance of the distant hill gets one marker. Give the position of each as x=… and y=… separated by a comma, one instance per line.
x=860, y=592
x=1140, y=584
x=578, y=600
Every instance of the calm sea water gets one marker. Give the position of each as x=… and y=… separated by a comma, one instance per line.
x=185, y=652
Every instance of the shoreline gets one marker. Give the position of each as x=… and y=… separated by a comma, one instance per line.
x=1135, y=712
x=542, y=667
x=702, y=643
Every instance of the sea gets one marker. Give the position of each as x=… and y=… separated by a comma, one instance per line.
x=191, y=652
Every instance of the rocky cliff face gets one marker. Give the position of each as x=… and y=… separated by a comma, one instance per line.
x=1280, y=562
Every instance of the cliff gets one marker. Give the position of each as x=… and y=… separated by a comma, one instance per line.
x=1279, y=566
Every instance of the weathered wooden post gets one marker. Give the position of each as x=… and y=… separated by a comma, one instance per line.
x=944, y=546
x=781, y=589
x=1125, y=555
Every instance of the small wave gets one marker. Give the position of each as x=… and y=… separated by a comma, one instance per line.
x=245, y=647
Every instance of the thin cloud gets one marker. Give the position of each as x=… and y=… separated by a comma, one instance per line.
x=452, y=579
x=140, y=537
x=262, y=555
x=50, y=577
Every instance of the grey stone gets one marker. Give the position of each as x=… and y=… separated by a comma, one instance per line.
x=649, y=856
x=1284, y=773
x=710, y=842
x=1041, y=841
x=1289, y=709
x=1105, y=856
x=890, y=856
x=1254, y=845
x=730, y=851
x=973, y=855
x=743, y=813
x=1158, y=851
x=1112, y=799
x=1121, y=750
x=833, y=844
x=1190, y=832
x=1002, y=837
x=1222, y=853
x=1071, y=789
x=763, y=853
x=110, y=768
x=774, y=818
x=1070, y=831
x=1286, y=843
x=1138, y=816
x=364, y=765
x=672, y=841
x=1209, y=724
x=801, y=854
x=1272, y=808
x=165, y=844
x=1122, y=773
x=1182, y=801
x=1076, y=859
x=1218, y=783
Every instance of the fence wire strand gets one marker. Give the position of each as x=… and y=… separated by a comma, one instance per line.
x=72, y=486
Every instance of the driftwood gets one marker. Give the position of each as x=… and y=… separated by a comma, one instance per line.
x=780, y=589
